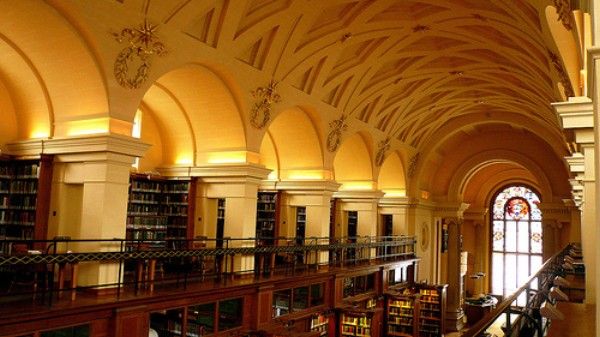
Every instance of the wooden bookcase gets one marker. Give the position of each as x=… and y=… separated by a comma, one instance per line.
x=25, y=187
x=418, y=310
x=267, y=216
x=200, y=319
x=400, y=312
x=320, y=323
x=159, y=211
x=359, y=322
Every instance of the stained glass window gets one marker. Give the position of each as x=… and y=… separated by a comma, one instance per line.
x=516, y=238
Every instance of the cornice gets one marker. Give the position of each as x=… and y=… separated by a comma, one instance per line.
x=576, y=113
x=80, y=146
x=220, y=173
x=303, y=186
x=353, y=196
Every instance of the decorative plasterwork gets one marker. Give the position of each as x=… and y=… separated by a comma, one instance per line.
x=261, y=111
x=383, y=147
x=335, y=135
x=562, y=74
x=141, y=46
x=412, y=165
x=563, y=9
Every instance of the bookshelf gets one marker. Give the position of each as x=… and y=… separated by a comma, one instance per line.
x=300, y=222
x=266, y=217
x=432, y=305
x=359, y=322
x=352, y=221
x=320, y=323
x=175, y=207
x=24, y=198
x=418, y=310
x=400, y=315
x=158, y=211
x=220, y=221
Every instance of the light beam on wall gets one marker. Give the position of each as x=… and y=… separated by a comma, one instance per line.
x=88, y=127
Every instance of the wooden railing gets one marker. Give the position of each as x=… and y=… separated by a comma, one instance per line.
x=537, y=289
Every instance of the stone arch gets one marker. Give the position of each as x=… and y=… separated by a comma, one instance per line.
x=38, y=101
x=353, y=164
x=198, y=116
x=293, y=140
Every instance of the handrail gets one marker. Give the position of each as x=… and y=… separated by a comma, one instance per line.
x=187, y=258
x=505, y=306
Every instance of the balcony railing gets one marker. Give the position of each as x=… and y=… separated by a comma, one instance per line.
x=142, y=264
x=541, y=294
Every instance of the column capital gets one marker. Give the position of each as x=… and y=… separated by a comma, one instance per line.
x=451, y=210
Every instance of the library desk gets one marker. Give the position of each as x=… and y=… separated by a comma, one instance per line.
x=580, y=320
x=475, y=310
x=74, y=266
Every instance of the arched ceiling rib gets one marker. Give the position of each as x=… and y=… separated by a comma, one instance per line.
x=403, y=68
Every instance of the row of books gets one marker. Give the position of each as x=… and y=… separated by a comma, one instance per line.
x=20, y=187
x=17, y=218
x=20, y=171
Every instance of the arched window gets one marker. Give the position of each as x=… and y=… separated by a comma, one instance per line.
x=516, y=239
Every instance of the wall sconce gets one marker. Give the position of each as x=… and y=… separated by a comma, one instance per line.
x=550, y=311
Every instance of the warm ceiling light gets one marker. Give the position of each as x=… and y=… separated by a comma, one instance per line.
x=394, y=193
x=39, y=134
x=88, y=127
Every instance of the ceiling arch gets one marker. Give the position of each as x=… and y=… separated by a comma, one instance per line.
x=199, y=115
x=48, y=96
x=392, y=179
x=297, y=145
x=353, y=164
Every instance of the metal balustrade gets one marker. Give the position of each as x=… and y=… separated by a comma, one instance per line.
x=140, y=266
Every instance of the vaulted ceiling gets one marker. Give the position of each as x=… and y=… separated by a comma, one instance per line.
x=417, y=78
x=404, y=68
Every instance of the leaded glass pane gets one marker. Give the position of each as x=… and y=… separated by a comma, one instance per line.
x=523, y=237
x=510, y=273
x=511, y=236
x=497, y=270
x=498, y=236
x=536, y=237
x=523, y=271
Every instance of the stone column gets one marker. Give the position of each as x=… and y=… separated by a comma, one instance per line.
x=578, y=115
x=454, y=312
x=238, y=185
x=594, y=208
x=89, y=194
x=366, y=204
x=316, y=197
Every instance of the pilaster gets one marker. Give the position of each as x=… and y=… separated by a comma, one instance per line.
x=238, y=185
x=578, y=115
x=316, y=196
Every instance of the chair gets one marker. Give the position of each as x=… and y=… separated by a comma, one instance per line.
x=27, y=276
